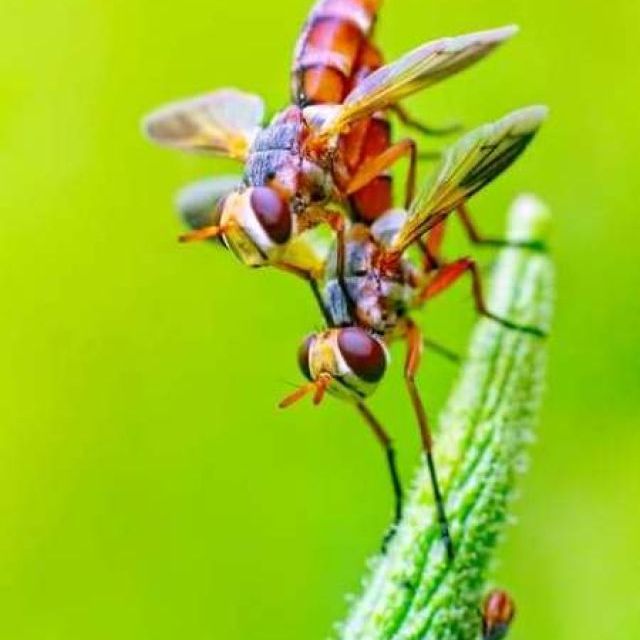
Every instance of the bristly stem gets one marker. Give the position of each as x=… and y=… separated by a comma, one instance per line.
x=413, y=592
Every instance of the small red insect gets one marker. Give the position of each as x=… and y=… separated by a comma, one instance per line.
x=497, y=614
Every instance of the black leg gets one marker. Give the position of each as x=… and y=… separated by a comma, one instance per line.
x=316, y=294
x=341, y=250
x=412, y=123
x=441, y=350
x=477, y=238
x=385, y=441
x=414, y=344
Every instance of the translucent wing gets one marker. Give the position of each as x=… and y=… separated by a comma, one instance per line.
x=468, y=166
x=415, y=71
x=223, y=123
x=197, y=203
x=388, y=225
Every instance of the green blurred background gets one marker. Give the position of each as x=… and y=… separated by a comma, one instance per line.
x=148, y=486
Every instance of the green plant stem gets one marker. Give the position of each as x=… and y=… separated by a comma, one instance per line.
x=412, y=591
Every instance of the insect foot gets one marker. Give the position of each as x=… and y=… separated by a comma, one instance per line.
x=413, y=591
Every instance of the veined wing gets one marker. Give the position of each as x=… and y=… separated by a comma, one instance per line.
x=468, y=166
x=415, y=71
x=197, y=203
x=224, y=122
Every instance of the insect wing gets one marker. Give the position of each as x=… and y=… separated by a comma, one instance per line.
x=197, y=203
x=222, y=123
x=387, y=226
x=415, y=71
x=468, y=166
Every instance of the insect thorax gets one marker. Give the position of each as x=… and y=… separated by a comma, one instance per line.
x=376, y=302
x=277, y=156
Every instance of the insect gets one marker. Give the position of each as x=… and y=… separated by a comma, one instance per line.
x=350, y=357
x=324, y=158
x=497, y=614
x=198, y=204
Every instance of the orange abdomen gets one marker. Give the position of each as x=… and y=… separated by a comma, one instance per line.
x=376, y=198
x=330, y=48
x=334, y=53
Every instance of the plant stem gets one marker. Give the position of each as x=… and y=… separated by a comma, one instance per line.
x=412, y=591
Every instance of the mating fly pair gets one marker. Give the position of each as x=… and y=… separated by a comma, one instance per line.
x=324, y=159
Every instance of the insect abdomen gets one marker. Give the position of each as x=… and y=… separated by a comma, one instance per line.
x=376, y=198
x=329, y=48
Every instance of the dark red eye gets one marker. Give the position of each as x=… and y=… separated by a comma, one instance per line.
x=303, y=356
x=363, y=353
x=272, y=212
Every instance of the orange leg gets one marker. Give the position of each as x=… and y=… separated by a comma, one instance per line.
x=373, y=167
x=431, y=247
x=435, y=239
x=385, y=441
x=477, y=238
x=451, y=273
x=412, y=363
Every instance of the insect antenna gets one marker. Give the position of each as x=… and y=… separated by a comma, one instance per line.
x=317, y=387
x=202, y=234
x=297, y=395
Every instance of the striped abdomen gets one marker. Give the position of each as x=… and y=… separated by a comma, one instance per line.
x=366, y=140
x=334, y=53
x=331, y=50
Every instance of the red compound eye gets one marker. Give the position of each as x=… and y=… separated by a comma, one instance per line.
x=272, y=213
x=363, y=353
x=303, y=356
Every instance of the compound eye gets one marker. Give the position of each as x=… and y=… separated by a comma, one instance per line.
x=303, y=356
x=273, y=213
x=363, y=353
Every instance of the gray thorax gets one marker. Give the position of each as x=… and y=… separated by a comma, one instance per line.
x=375, y=302
x=276, y=154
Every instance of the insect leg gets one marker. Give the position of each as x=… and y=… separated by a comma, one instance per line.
x=408, y=120
x=441, y=350
x=313, y=283
x=477, y=238
x=336, y=221
x=451, y=273
x=385, y=441
x=374, y=166
x=412, y=363
x=431, y=246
